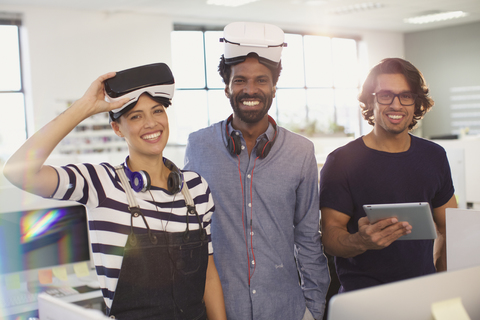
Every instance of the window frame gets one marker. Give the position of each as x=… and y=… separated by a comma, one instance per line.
x=13, y=19
x=18, y=23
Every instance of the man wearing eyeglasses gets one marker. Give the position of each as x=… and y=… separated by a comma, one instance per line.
x=388, y=165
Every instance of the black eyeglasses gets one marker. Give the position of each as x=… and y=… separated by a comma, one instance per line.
x=387, y=97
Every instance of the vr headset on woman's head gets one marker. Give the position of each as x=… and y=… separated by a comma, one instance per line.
x=155, y=79
x=243, y=38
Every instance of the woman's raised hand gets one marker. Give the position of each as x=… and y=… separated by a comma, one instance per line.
x=93, y=101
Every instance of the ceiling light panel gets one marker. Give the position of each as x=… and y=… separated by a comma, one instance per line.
x=354, y=8
x=229, y=3
x=442, y=16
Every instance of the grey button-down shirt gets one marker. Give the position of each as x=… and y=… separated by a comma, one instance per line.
x=265, y=234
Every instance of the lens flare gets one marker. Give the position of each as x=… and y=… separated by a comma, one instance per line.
x=32, y=227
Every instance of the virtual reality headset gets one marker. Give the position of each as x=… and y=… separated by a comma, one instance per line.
x=243, y=38
x=155, y=79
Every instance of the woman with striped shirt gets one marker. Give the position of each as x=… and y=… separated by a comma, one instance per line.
x=149, y=221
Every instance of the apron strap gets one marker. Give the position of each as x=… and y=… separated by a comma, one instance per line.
x=191, y=210
x=133, y=206
x=132, y=202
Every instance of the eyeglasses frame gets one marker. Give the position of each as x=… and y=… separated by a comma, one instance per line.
x=415, y=96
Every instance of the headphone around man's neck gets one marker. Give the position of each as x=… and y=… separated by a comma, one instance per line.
x=234, y=143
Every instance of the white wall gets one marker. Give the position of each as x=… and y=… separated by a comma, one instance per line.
x=449, y=60
x=70, y=49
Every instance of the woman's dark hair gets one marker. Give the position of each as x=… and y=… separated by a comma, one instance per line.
x=414, y=78
x=117, y=116
x=225, y=70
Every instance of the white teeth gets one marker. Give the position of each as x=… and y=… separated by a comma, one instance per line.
x=394, y=117
x=250, y=103
x=151, y=136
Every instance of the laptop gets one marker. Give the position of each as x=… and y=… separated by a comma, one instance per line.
x=51, y=308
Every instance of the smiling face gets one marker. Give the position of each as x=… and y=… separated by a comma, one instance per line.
x=392, y=119
x=250, y=90
x=145, y=127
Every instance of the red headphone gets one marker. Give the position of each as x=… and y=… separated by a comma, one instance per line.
x=234, y=143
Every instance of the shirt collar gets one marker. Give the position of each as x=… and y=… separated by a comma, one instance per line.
x=269, y=133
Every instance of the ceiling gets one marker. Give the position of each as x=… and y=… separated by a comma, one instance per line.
x=323, y=15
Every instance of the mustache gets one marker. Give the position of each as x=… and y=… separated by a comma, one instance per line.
x=248, y=96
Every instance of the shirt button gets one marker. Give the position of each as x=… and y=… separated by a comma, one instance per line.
x=253, y=261
x=243, y=148
x=237, y=133
x=249, y=205
x=254, y=291
x=251, y=233
x=249, y=176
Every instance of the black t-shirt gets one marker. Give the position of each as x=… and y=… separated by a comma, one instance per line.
x=354, y=175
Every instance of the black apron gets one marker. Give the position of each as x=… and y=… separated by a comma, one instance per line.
x=162, y=275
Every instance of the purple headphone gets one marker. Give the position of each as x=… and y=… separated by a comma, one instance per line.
x=140, y=180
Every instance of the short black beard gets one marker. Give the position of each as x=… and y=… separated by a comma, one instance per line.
x=250, y=116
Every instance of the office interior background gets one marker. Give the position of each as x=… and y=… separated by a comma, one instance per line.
x=64, y=45
x=53, y=49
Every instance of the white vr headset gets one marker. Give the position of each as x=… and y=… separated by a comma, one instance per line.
x=243, y=38
x=155, y=79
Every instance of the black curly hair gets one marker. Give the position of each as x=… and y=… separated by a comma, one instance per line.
x=225, y=70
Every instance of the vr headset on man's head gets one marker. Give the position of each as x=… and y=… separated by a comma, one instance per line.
x=243, y=38
x=155, y=79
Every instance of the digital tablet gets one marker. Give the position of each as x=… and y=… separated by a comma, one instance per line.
x=417, y=214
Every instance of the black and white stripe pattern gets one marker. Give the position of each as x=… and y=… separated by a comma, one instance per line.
x=99, y=188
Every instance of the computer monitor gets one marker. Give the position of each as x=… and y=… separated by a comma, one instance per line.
x=463, y=238
x=51, y=308
x=34, y=239
x=409, y=299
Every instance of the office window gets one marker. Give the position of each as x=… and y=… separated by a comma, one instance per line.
x=13, y=131
x=316, y=92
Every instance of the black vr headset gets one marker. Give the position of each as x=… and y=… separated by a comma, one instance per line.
x=155, y=79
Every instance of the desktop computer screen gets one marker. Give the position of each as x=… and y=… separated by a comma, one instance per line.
x=412, y=299
x=36, y=239
x=44, y=250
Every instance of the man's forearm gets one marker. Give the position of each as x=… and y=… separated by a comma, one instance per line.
x=340, y=243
